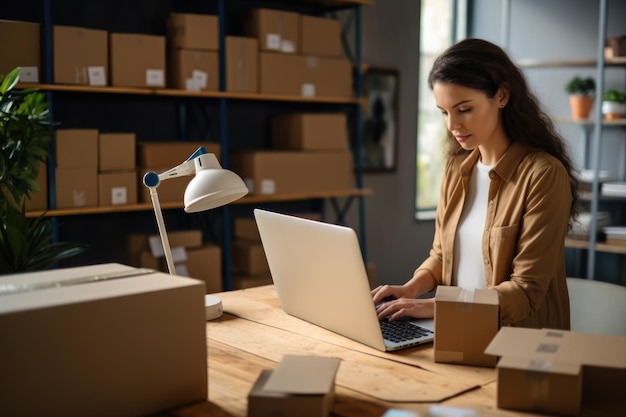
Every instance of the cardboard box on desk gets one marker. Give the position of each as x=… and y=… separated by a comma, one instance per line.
x=559, y=372
x=288, y=172
x=130, y=344
x=300, y=385
x=465, y=323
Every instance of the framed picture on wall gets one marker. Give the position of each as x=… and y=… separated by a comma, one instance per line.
x=380, y=119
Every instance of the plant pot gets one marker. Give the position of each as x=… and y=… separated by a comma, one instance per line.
x=613, y=110
x=581, y=106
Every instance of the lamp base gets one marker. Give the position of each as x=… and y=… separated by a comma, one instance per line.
x=212, y=307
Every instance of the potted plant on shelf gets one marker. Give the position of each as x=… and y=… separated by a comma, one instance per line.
x=581, y=96
x=26, y=244
x=613, y=104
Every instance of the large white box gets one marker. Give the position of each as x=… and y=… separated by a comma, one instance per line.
x=102, y=340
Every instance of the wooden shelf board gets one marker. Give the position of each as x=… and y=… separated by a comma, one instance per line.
x=79, y=211
x=591, y=122
x=600, y=246
x=542, y=63
x=170, y=92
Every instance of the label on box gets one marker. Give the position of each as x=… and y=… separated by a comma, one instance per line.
x=250, y=184
x=311, y=62
x=79, y=198
x=308, y=90
x=287, y=46
x=179, y=254
x=155, y=77
x=118, y=195
x=268, y=186
x=191, y=84
x=96, y=76
x=29, y=74
x=181, y=270
x=273, y=41
x=201, y=78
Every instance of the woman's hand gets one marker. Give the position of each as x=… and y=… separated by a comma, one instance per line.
x=420, y=308
x=390, y=292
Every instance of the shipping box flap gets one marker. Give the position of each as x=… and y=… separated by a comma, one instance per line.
x=546, y=344
x=303, y=375
x=462, y=295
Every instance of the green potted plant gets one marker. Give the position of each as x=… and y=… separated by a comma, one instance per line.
x=613, y=104
x=26, y=244
x=581, y=96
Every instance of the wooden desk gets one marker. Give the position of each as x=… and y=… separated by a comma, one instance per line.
x=254, y=334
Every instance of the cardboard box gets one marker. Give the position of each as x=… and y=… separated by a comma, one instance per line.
x=559, y=372
x=276, y=30
x=300, y=385
x=77, y=148
x=76, y=187
x=170, y=154
x=289, y=172
x=116, y=151
x=306, y=76
x=320, y=36
x=310, y=131
x=465, y=323
x=249, y=257
x=137, y=60
x=117, y=188
x=241, y=64
x=242, y=281
x=137, y=243
x=128, y=346
x=194, y=70
x=20, y=46
x=245, y=228
x=193, y=31
x=205, y=264
x=172, y=190
x=81, y=55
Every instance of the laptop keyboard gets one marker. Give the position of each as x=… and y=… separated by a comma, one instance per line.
x=400, y=331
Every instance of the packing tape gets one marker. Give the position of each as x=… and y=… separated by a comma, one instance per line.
x=8, y=289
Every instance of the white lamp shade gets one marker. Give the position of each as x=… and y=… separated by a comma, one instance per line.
x=211, y=188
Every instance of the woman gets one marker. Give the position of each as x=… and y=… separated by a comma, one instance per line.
x=508, y=194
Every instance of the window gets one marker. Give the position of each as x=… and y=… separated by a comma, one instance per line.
x=437, y=29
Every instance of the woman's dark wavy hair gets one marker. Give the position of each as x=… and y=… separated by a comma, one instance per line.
x=481, y=65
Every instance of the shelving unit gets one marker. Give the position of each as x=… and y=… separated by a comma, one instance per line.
x=592, y=129
x=224, y=101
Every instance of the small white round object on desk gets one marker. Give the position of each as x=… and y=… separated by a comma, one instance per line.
x=212, y=307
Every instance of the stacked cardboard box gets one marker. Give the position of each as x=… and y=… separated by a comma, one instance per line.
x=250, y=268
x=309, y=154
x=20, y=46
x=299, y=55
x=117, y=175
x=193, y=52
x=162, y=156
x=137, y=60
x=191, y=257
x=76, y=168
x=81, y=55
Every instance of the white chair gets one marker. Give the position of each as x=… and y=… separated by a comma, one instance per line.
x=597, y=307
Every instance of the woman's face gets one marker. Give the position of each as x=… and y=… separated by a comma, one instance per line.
x=471, y=116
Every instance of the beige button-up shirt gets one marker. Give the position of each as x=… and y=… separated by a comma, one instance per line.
x=523, y=243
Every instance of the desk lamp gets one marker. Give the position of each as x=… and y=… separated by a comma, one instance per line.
x=211, y=187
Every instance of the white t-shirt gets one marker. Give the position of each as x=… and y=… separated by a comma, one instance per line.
x=469, y=270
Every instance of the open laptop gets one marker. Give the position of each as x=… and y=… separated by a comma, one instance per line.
x=320, y=277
